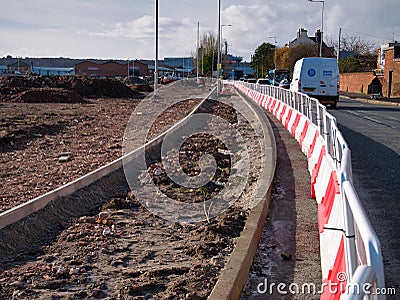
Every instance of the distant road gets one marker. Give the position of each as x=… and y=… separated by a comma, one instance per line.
x=373, y=135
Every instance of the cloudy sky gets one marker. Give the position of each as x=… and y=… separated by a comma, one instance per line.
x=125, y=28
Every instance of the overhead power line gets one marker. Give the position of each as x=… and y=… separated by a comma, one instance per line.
x=370, y=35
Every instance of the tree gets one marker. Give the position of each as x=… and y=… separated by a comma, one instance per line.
x=208, y=53
x=349, y=65
x=364, y=53
x=357, y=44
x=286, y=57
x=281, y=57
x=263, y=59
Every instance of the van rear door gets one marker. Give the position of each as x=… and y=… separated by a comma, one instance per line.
x=310, y=78
x=327, y=85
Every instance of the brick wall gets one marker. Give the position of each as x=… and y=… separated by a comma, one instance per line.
x=356, y=82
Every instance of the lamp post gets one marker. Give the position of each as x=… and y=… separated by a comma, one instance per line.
x=219, y=48
x=197, y=56
x=322, y=24
x=222, y=26
x=274, y=37
x=226, y=44
x=156, y=50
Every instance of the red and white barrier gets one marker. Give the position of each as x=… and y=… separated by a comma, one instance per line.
x=324, y=188
x=287, y=117
x=309, y=139
x=293, y=125
x=301, y=127
x=337, y=200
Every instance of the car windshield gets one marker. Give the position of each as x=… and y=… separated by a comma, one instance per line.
x=263, y=81
x=280, y=77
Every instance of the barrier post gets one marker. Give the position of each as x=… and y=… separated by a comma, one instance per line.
x=350, y=246
x=325, y=132
x=318, y=118
x=309, y=109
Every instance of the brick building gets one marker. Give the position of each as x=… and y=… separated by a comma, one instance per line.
x=138, y=68
x=110, y=68
x=18, y=67
x=385, y=79
x=390, y=63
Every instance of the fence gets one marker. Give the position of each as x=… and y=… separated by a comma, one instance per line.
x=351, y=259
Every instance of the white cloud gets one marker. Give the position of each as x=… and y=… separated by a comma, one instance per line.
x=125, y=28
x=173, y=35
x=141, y=28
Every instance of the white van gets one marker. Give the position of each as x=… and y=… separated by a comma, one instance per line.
x=317, y=77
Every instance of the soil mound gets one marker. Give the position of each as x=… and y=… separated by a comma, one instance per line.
x=62, y=89
x=46, y=95
x=91, y=87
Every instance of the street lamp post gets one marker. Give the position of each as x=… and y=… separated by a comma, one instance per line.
x=156, y=50
x=322, y=24
x=274, y=37
x=197, y=56
x=219, y=49
x=222, y=26
x=226, y=44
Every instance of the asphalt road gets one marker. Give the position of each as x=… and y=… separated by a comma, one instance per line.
x=372, y=133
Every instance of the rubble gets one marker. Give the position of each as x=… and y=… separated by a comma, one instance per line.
x=64, y=89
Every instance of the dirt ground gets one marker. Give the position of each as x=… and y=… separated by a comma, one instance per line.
x=127, y=254
x=120, y=250
x=45, y=145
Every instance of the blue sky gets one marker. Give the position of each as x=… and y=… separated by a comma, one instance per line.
x=125, y=29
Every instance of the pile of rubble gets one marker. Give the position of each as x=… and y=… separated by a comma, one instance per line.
x=62, y=89
x=46, y=95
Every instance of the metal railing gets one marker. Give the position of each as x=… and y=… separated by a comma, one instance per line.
x=363, y=255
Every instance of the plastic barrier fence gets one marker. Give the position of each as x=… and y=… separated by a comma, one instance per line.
x=351, y=258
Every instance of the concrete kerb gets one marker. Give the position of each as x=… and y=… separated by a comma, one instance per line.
x=234, y=275
x=372, y=101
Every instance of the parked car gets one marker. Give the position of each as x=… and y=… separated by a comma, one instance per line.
x=263, y=81
x=169, y=78
x=285, y=83
x=251, y=80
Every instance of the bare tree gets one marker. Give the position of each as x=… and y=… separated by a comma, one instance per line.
x=359, y=45
x=354, y=42
x=208, y=52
